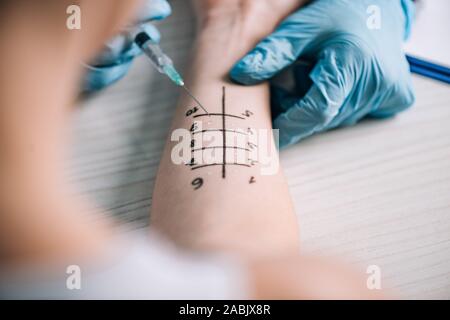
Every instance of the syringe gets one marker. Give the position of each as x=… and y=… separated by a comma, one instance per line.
x=162, y=62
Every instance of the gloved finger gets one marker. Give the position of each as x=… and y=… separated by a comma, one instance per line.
x=332, y=83
x=100, y=77
x=399, y=97
x=153, y=10
x=122, y=48
x=279, y=49
x=409, y=8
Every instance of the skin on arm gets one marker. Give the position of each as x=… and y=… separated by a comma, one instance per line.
x=236, y=208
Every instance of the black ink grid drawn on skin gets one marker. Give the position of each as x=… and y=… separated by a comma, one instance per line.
x=221, y=147
x=218, y=114
x=220, y=130
x=223, y=115
x=221, y=164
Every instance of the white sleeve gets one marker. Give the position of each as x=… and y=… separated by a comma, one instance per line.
x=144, y=267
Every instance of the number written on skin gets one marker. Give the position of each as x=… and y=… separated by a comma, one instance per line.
x=191, y=111
x=197, y=183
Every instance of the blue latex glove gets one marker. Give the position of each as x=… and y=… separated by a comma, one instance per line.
x=355, y=72
x=118, y=54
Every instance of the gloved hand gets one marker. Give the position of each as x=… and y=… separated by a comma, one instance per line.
x=119, y=53
x=356, y=71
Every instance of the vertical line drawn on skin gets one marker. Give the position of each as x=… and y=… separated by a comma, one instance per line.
x=224, y=139
x=198, y=149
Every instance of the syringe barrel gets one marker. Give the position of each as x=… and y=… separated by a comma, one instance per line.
x=153, y=51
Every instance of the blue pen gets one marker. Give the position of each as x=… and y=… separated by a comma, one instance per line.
x=429, y=69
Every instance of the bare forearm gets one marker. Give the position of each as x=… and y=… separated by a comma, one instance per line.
x=228, y=203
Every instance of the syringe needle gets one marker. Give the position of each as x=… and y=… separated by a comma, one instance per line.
x=195, y=99
x=162, y=62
